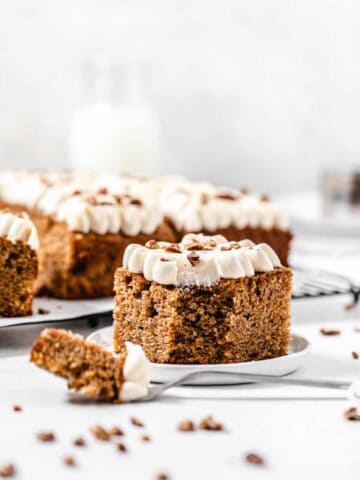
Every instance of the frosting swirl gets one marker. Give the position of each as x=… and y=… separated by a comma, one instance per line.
x=18, y=228
x=201, y=206
x=199, y=260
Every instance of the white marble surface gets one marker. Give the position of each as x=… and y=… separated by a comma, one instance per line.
x=298, y=438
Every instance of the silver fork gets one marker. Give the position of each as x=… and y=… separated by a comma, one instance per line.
x=157, y=390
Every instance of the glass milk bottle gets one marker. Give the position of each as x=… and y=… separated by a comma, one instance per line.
x=118, y=130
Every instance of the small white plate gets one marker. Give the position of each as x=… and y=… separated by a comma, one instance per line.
x=166, y=372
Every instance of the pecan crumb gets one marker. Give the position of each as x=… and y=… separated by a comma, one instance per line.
x=69, y=461
x=7, y=471
x=100, y=433
x=173, y=248
x=186, y=426
x=244, y=191
x=162, y=476
x=226, y=196
x=79, y=442
x=194, y=258
x=195, y=246
x=356, y=329
x=46, y=436
x=352, y=414
x=17, y=407
x=265, y=198
x=43, y=311
x=136, y=201
x=76, y=192
x=135, y=421
x=121, y=447
x=254, y=459
x=103, y=191
x=145, y=438
x=116, y=432
x=163, y=259
x=208, y=423
x=329, y=332
x=151, y=244
x=355, y=355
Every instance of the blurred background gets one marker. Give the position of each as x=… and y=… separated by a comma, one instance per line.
x=257, y=93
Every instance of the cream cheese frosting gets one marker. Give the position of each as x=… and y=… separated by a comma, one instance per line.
x=18, y=228
x=199, y=260
x=136, y=373
x=201, y=206
x=80, y=202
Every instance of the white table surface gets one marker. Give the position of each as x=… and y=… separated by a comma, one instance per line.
x=298, y=438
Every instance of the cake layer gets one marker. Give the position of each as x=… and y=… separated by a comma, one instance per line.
x=90, y=368
x=231, y=321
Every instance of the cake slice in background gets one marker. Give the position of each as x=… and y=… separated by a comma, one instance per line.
x=18, y=264
x=83, y=227
x=203, y=207
x=91, y=369
x=204, y=300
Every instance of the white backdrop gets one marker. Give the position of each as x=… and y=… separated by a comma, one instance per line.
x=247, y=92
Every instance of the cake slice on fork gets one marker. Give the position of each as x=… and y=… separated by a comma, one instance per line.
x=92, y=369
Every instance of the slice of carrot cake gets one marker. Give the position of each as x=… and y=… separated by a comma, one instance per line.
x=202, y=207
x=203, y=300
x=90, y=368
x=18, y=264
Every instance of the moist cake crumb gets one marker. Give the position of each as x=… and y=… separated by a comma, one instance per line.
x=7, y=471
x=80, y=442
x=116, y=432
x=136, y=422
x=186, y=426
x=46, y=436
x=69, y=460
x=329, y=332
x=100, y=433
x=352, y=414
x=121, y=447
x=208, y=423
x=43, y=311
x=254, y=459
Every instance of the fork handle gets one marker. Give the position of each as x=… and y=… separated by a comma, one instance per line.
x=253, y=378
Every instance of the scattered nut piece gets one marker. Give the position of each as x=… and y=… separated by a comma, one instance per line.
x=208, y=423
x=173, y=248
x=121, y=447
x=7, y=471
x=79, y=442
x=193, y=258
x=145, y=438
x=226, y=196
x=356, y=329
x=151, y=244
x=43, y=311
x=135, y=421
x=100, y=433
x=116, y=432
x=162, y=476
x=352, y=414
x=195, y=246
x=329, y=332
x=265, y=198
x=17, y=407
x=46, y=436
x=136, y=201
x=254, y=459
x=355, y=355
x=186, y=426
x=69, y=461
x=103, y=191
